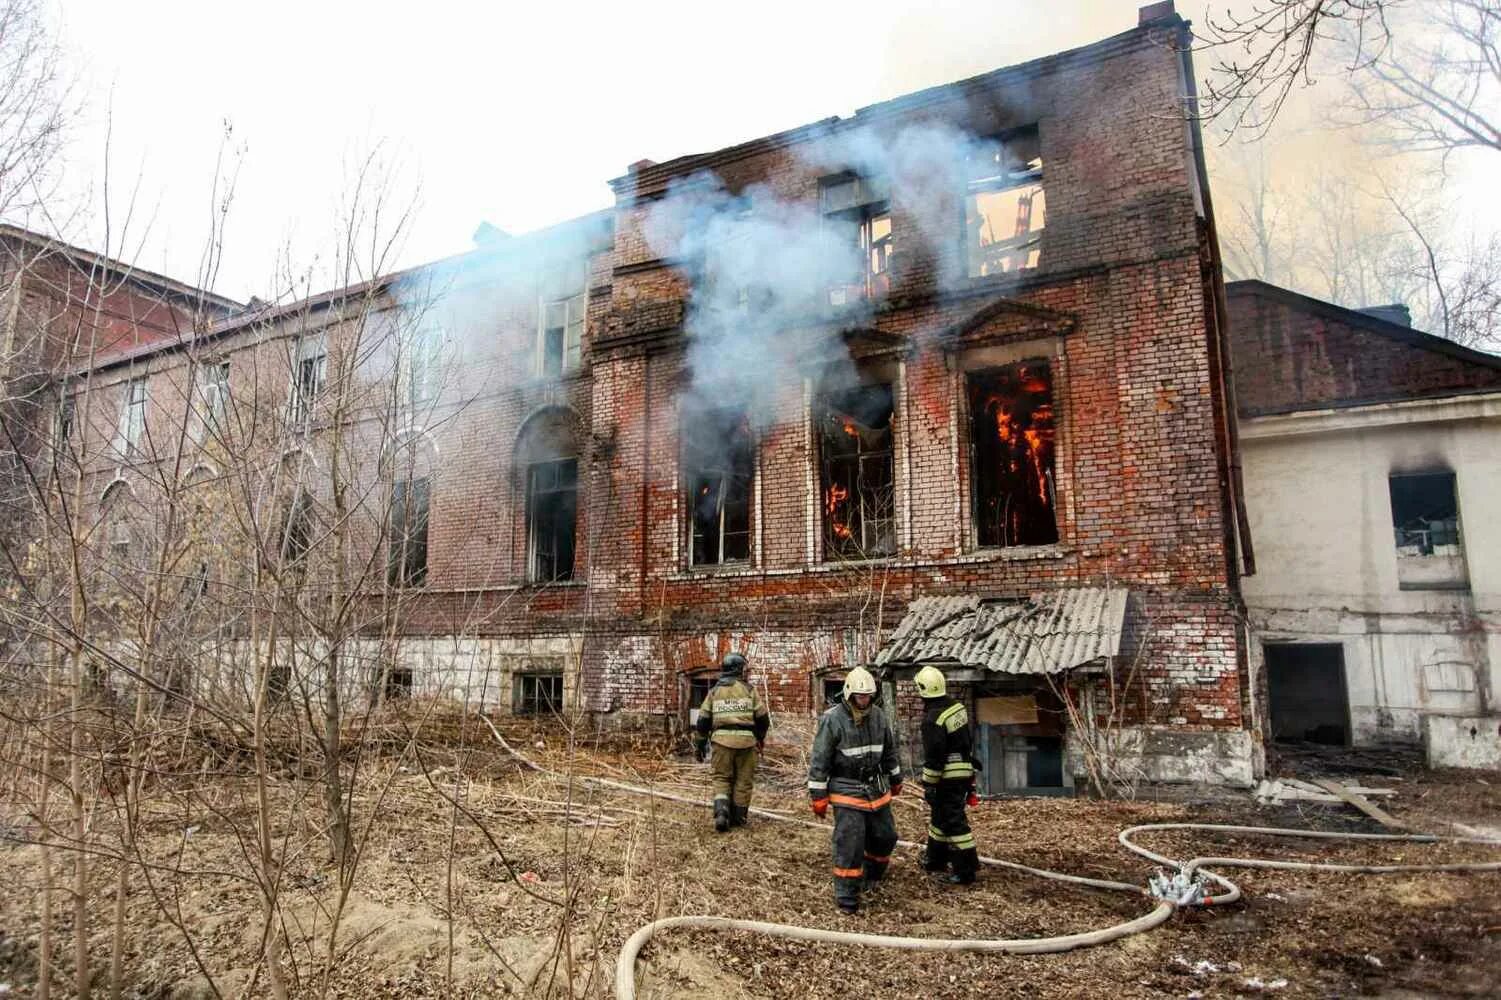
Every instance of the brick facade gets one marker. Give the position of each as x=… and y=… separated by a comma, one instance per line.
x=1116, y=306
x=1293, y=352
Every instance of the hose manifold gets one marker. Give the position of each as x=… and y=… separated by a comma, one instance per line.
x=1178, y=888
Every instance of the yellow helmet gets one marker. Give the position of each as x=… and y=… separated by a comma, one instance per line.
x=859, y=681
x=929, y=681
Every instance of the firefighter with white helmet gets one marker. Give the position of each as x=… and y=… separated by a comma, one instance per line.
x=735, y=721
x=854, y=768
x=948, y=778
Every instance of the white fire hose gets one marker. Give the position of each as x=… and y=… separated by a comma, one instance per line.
x=1185, y=887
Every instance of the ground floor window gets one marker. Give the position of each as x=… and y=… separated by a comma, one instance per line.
x=538, y=693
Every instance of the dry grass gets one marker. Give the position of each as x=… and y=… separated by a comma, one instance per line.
x=582, y=869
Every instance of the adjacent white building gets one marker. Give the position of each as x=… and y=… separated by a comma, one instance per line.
x=1372, y=463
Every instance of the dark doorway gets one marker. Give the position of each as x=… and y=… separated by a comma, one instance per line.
x=1306, y=691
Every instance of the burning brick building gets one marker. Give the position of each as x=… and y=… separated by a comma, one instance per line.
x=965, y=343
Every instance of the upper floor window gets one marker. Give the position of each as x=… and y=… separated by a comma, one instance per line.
x=213, y=390
x=406, y=560
x=858, y=211
x=419, y=368
x=1011, y=454
x=718, y=467
x=1005, y=208
x=309, y=375
x=132, y=429
x=1425, y=519
x=62, y=425
x=296, y=529
x=854, y=433
x=560, y=333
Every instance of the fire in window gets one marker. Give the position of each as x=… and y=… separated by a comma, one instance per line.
x=537, y=693
x=1011, y=446
x=857, y=211
x=1005, y=207
x=406, y=564
x=718, y=467
x=854, y=434
x=551, y=517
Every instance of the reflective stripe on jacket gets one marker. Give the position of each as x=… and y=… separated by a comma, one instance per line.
x=853, y=764
x=732, y=715
x=946, y=742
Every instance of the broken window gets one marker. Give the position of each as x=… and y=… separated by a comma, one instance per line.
x=552, y=518
x=536, y=693
x=854, y=434
x=132, y=420
x=1425, y=518
x=398, y=683
x=1005, y=208
x=1425, y=514
x=62, y=424
x=718, y=466
x=296, y=535
x=560, y=335
x=115, y=513
x=406, y=560
x=309, y=375
x=1011, y=454
x=857, y=210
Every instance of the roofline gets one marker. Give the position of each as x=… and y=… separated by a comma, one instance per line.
x=649, y=181
x=1354, y=317
x=119, y=267
x=374, y=286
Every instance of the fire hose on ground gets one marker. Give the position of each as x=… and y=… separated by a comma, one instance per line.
x=1185, y=886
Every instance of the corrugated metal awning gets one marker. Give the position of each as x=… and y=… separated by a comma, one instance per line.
x=1052, y=632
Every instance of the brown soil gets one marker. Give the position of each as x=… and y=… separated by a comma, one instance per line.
x=620, y=860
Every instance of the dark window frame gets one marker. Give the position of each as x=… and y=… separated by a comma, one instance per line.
x=407, y=541
x=537, y=692
x=1003, y=180
x=309, y=376
x=551, y=526
x=995, y=528
x=725, y=477
x=863, y=475
x=1412, y=526
x=866, y=213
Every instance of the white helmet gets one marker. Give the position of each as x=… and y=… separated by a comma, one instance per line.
x=859, y=681
x=929, y=681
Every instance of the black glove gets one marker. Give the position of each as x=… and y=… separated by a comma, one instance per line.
x=701, y=750
x=930, y=794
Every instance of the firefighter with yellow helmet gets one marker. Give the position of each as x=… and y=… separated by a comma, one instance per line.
x=854, y=768
x=735, y=721
x=948, y=778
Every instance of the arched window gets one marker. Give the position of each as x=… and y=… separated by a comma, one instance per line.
x=115, y=516
x=547, y=462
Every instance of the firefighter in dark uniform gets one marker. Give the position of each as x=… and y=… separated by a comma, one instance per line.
x=735, y=721
x=948, y=779
x=854, y=767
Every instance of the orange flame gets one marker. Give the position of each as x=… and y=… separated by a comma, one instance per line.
x=835, y=498
x=849, y=428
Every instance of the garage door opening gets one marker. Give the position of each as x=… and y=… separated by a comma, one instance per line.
x=1306, y=692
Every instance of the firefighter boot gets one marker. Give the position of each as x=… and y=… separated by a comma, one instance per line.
x=721, y=815
x=739, y=815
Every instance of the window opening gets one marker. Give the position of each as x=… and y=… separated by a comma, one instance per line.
x=855, y=443
x=1012, y=437
x=406, y=564
x=857, y=210
x=552, y=518
x=719, y=464
x=1005, y=207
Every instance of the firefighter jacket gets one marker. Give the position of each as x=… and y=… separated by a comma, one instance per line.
x=732, y=715
x=854, y=764
x=947, y=746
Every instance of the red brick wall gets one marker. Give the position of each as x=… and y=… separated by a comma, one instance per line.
x=1296, y=353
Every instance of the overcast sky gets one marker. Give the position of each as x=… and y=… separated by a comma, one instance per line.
x=513, y=113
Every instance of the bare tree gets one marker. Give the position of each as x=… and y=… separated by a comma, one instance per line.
x=35, y=109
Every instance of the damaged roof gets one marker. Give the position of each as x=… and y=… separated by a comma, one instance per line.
x=1050, y=633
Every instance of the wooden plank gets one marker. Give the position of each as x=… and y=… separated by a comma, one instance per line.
x=1363, y=804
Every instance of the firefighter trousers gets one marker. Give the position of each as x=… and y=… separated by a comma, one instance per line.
x=950, y=841
x=863, y=841
x=734, y=775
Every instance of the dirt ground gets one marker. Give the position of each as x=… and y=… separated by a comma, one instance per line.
x=539, y=900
